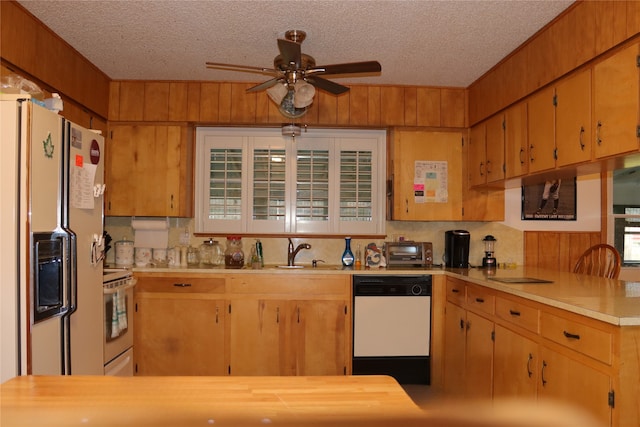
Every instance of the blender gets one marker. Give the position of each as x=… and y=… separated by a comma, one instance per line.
x=489, y=261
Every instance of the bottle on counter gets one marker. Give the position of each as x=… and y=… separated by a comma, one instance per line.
x=347, y=255
x=358, y=263
x=233, y=255
x=259, y=252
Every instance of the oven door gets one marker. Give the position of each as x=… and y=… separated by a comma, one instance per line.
x=118, y=319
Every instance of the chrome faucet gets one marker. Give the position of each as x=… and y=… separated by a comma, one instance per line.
x=291, y=253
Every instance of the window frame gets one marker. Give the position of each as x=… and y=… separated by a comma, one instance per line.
x=332, y=140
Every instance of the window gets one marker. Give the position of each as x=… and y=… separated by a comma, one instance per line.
x=260, y=182
x=626, y=215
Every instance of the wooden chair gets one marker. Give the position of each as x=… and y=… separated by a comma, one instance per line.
x=599, y=260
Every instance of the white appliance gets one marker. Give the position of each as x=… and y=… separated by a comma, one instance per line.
x=118, y=321
x=52, y=247
x=392, y=326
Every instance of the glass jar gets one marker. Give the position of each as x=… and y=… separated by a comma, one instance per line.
x=210, y=253
x=192, y=256
x=233, y=255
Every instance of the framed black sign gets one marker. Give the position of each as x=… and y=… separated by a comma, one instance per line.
x=553, y=200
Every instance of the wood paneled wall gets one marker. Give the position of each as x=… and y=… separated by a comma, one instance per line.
x=584, y=31
x=229, y=103
x=33, y=50
x=557, y=250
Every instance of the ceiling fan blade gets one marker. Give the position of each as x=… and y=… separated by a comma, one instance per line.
x=326, y=85
x=264, y=85
x=347, y=68
x=290, y=51
x=242, y=68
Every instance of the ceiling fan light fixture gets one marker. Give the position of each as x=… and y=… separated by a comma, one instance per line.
x=277, y=92
x=304, y=94
x=288, y=108
x=291, y=130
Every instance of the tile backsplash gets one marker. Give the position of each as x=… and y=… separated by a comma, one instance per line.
x=508, y=248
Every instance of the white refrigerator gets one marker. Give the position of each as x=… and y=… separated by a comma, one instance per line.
x=52, y=228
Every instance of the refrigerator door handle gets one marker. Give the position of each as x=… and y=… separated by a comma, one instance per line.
x=71, y=300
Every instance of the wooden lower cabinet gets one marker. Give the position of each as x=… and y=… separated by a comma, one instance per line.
x=515, y=365
x=258, y=328
x=468, y=352
x=179, y=327
x=454, y=349
x=539, y=352
x=239, y=325
x=562, y=378
x=479, y=355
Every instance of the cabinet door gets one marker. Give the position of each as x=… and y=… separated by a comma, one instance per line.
x=319, y=338
x=568, y=380
x=147, y=171
x=479, y=357
x=178, y=335
x=257, y=330
x=454, y=349
x=438, y=202
x=573, y=119
x=515, y=140
x=477, y=155
x=541, y=132
x=515, y=361
x=616, y=103
x=495, y=148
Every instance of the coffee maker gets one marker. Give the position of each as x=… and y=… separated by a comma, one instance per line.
x=456, y=248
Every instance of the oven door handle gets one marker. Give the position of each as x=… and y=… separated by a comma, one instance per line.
x=111, y=291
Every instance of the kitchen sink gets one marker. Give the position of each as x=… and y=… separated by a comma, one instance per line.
x=290, y=266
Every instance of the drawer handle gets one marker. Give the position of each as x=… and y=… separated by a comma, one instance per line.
x=480, y=300
x=455, y=291
x=571, y=336
x=182, y=285
x=514, y=313
x=544, y=365
x=529, y=372
x=461, y=324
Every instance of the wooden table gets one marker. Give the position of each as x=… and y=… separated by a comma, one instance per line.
x=200, y=401
x=341, y=401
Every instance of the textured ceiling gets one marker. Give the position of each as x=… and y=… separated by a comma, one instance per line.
x=418, y=42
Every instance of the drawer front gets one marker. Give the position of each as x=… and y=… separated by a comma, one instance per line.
x=181, y=285
x=455, y=291
x=479, y=299
x=585, y=339
x=517, y=314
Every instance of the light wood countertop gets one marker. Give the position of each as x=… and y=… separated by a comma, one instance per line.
x=341, y=401
x=199, y=401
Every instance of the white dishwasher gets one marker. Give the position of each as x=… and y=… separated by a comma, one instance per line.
x=392, y=326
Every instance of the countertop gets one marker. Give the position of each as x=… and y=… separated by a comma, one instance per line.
x=199, y=401
x=332, y=401
x=613, y=301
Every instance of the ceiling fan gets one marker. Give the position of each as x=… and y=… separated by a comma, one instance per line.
x=296, y=75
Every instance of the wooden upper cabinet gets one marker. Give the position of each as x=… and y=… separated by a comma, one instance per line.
x=407, y=148
x=541, y=130
x=494, y=141
x=477, y=155
x=616, y=103
x=149, y=171
x=515, y=141
x=573, y=119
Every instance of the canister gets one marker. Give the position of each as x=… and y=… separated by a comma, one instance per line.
x=124, y=252
x=143, y=256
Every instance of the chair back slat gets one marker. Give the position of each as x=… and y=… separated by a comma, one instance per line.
x=599, y=260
